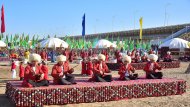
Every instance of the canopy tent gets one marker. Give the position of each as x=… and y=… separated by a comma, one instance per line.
x=2, y=44
x=175, y=43
x=103, y=43
x=53, y=42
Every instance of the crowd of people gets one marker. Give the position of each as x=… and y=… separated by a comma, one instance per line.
x=35, y=73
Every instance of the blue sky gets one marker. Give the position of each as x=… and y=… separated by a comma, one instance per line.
x=64, y=17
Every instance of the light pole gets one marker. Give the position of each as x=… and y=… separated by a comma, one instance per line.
x=165, y=13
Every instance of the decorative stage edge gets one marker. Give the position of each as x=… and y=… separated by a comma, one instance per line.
x=85, y=92
x=140, y=66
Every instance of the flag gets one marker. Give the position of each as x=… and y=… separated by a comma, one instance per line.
x=2, y=20
x=141, y=22
x=83, y=25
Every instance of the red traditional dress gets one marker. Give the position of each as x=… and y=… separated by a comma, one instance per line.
x=125, y=69
x=151, y=70
x=100, y=69
x=66, y=53
x=43, y=55
x=56, y=70
x=29, y=74
x=21, y=71
x=87, y=67
x=44, y=69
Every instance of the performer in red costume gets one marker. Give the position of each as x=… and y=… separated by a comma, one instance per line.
x=45, y=69
x=87, y=66
x=34, y=76
x=43, y=55
x=168, y=57
x=151, y=68
x=101, y=73
x=21, y=71
x=61, y=73
x=126, y=71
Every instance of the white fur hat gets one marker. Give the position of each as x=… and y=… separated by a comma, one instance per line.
x=101, y=56
x=126, y=58
x=153, y=57
x=169, y=52
x=34, y=57
x=61, y=58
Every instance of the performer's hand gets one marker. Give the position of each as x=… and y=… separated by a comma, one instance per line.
x=42, y=77
x=61, y=75
x=101, y=72
x=71, y=70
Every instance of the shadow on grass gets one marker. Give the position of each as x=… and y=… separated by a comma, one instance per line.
x=5, y=101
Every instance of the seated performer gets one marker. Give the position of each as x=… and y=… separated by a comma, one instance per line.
x=126, y=71
x=152, y=67
x=33, y=75
x=101, y=73
x=168, y=57
x=61, y=73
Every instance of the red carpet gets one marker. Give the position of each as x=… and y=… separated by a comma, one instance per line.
x=85, y=92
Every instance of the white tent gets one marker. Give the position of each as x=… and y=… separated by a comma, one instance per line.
x=2, y=44
x=53, y=42
x=103, y=43
x=175, y=43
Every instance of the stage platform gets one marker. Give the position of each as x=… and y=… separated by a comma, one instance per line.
x=88, y=92
x=140, y=66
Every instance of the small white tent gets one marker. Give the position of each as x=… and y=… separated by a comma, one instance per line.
x=175, y=43
x=53, y=42
x=2, y=44
x=103, y=43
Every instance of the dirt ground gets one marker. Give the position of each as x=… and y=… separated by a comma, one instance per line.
x=166, y=101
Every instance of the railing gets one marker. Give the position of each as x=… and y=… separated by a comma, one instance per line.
x=178, y=33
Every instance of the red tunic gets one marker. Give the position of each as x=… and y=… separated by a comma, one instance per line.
x=87, y=68
x=83, y=54
x=84, y=67
x=13, y=66
x=28, y=74
x=21, y=71
x=147, y=67
x=45, y=71
x=56, y=70
x=66, y=53
x=43, y=55
x=97, y=69
x=123, y=69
